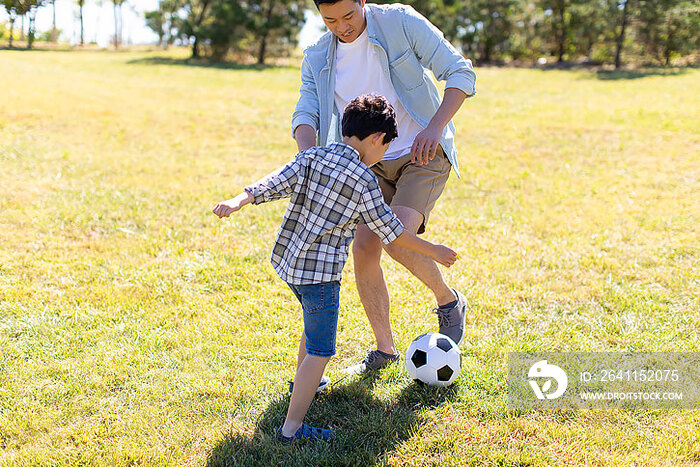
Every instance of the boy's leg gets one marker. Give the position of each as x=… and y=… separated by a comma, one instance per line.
x=305, y=383
x=302, y=350
x=320, y=304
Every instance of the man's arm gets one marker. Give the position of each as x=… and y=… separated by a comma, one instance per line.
x=305, y=137
x=306, y=117
x=447, y=64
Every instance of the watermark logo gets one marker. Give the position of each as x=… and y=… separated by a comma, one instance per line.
x=603, y=380
x=547, y=372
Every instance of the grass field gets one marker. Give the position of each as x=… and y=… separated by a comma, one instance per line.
x=138, y=329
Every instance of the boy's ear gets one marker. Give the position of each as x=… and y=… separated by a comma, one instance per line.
x=378, y=138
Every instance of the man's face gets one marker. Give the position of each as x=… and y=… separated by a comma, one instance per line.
x=345, y=19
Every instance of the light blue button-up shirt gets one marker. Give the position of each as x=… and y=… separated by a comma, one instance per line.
x=407, y=45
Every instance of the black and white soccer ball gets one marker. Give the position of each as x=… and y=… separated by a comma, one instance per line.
x=433, y=359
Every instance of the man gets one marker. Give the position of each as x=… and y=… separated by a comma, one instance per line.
x=387, y=49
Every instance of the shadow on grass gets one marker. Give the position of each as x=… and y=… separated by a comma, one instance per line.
x=611, y=75
x=35, y=49
x=203, y=63
x=597, y=71
x=366, y=428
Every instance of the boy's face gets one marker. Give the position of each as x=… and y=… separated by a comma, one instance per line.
x=376, y=149
x=345, y=19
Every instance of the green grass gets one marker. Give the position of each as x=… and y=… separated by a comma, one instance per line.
x=138, y=329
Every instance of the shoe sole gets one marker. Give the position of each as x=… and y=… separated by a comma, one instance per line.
x=321, y=386
x=460, y=297
x=361, y=368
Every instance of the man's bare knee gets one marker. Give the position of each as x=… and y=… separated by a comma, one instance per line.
x=366, y=247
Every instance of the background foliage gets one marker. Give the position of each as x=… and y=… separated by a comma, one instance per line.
x=591, y=31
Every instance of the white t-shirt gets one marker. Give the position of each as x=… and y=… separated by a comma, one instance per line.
x=358, y=71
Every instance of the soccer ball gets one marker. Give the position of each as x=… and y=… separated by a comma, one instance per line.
x=433, y=359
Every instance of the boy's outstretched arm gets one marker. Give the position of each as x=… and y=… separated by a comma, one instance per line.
x=226, y=208
x=276, y=185
x=439, y=253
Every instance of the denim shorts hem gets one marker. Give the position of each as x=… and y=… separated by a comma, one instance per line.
x=319, y=354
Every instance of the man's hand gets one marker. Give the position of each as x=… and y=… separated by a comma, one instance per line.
x=425, y=145
x=444, y=255
x=226, y=208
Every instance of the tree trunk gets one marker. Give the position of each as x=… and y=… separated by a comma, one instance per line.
x=562, y=31
x=21, y=32
x=116, y=26
x=121, y=25
x=12, y=26
x=197, y=22
x=621, y=36
x=82, y=30
x=488, y=43
x=266, y=32
x=53, y=30
x=31, y=30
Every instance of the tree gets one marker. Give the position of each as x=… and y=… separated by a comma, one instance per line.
x=54, y=31
x=155, y=20
x=559, y=17
x=483, y=27
x=192, y=27
x=23, y=8
x=668, y=27
x=81, y=4
x=624, y=6
x=274, y=22
x=12, y=7
x=118, y=20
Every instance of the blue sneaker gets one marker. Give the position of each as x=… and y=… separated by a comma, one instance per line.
x=325, y=381
x=305, y=432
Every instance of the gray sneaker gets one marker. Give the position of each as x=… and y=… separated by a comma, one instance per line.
x=375, y=360
x=452, y=320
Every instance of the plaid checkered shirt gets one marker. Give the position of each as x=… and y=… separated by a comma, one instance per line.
x=331, y=192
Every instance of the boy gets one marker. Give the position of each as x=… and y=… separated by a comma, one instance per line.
x=332, y=189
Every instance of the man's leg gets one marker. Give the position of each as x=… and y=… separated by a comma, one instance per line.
x=421, y=266
x=374, y=295
x=371, y=286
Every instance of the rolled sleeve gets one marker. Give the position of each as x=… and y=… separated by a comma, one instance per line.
x=276, y=185
x=307, y=110
x=378, y=216
x=437, y=54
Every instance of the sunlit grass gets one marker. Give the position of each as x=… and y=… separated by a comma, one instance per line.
x=137, y=328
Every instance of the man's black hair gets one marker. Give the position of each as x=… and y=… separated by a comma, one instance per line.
x=368, y=114
x=319, y=2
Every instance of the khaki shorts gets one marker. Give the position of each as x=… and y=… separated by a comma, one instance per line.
x=404, y=183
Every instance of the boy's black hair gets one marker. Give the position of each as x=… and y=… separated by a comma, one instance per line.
x=368, y=114
x=319, y=2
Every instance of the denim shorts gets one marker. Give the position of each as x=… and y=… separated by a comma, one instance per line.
x=320, y=303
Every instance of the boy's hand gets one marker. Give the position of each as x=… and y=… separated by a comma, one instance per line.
x=444, y=255
x=226, y=208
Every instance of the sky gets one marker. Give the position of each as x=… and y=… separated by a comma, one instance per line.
x=99, y=22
